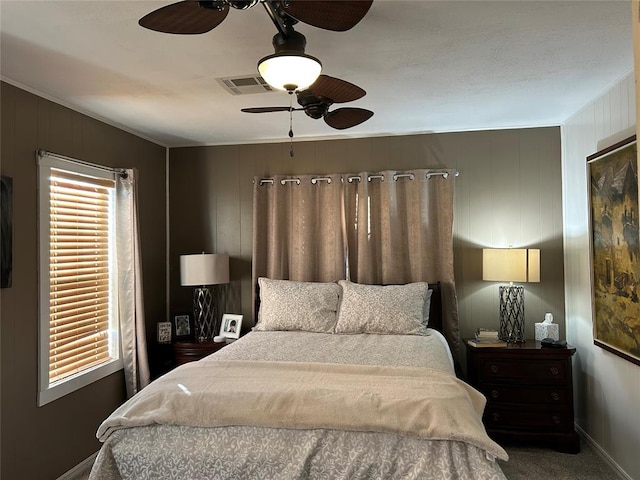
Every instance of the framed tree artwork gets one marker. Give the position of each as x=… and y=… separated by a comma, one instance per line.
x=615, y=248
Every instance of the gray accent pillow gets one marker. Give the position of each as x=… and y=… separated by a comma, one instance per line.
x=389, y=309
x=290, y=305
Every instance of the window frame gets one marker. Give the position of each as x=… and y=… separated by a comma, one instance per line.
x=48, y=392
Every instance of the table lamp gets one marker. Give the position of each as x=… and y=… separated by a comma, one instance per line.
x=511, y=265
x=202, y=271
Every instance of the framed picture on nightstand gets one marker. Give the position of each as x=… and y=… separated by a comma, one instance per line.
x=230, y=326
x=164, y=332
x=182, y=326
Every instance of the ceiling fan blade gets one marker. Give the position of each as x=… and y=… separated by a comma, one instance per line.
x=338, y=91
x=336, y=15
x=266, y=109
x=186, y=18
x=347, y=117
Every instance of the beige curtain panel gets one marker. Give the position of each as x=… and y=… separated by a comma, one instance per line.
x=130, y=298
x=297, y=228
x=373, y=228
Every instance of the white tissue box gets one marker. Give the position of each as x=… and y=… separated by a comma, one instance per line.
x=547, y=330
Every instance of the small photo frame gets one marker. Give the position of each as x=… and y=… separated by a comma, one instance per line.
x=164, y=332
x=231, y=324
x=182, y=326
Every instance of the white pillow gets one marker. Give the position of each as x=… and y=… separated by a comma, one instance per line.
x=390, y=309
x=290, y=305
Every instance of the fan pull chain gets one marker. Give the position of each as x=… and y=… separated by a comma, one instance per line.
x=291, y=124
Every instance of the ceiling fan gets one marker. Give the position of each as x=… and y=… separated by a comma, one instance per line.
x=289, y=68
x=193, y=17
x=315, y=93
x=316, y=100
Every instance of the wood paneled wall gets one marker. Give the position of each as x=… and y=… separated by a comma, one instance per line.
x=45, y=442
x=607, y=388
x=508, y=193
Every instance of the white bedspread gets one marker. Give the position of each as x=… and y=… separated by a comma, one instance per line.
x=242, y=429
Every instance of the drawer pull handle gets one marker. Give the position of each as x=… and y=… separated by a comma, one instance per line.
x=494, y=369
x=495, y=417
x=555, y=396
x=495, y=394
x=555, y=419
x=554, y=370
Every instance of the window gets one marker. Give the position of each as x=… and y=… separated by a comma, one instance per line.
x=79, y=337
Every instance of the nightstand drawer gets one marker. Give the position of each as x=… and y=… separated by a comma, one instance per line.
x=533, y=419
x=526, y=370
x=526, y=395
x=184, y=352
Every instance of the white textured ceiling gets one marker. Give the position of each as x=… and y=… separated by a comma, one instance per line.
x=427, y=66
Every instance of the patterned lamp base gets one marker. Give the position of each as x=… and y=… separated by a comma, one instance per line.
x=511, y=314
x=204, y=315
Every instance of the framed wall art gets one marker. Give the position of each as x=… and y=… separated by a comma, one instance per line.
x=615, y=248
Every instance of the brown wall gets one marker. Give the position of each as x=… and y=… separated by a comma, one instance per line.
x=45, y=442
x=508, y=193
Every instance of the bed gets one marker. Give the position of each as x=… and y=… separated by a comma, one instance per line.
x=335, y=381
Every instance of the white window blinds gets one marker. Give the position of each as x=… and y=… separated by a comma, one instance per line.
x=80, y=276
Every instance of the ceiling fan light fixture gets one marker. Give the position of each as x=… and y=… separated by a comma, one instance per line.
x=290, y=71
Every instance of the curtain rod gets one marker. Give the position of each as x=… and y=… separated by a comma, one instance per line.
x=396, y=176
x=42, y=153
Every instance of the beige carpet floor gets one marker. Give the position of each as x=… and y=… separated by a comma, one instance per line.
x=532, y=463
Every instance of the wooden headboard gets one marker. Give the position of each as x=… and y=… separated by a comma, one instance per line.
x=435, y=309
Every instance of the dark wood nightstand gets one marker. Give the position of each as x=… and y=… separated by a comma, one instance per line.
x=529, y=392
x=184, y=352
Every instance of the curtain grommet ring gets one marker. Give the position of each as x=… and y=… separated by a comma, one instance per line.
x=315, y=180
x=284, y=181
x=376, y=177
x=396, y=176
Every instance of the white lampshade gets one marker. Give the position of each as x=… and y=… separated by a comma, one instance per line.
x=204, y=269
x=511, y=264
x=290, y=71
